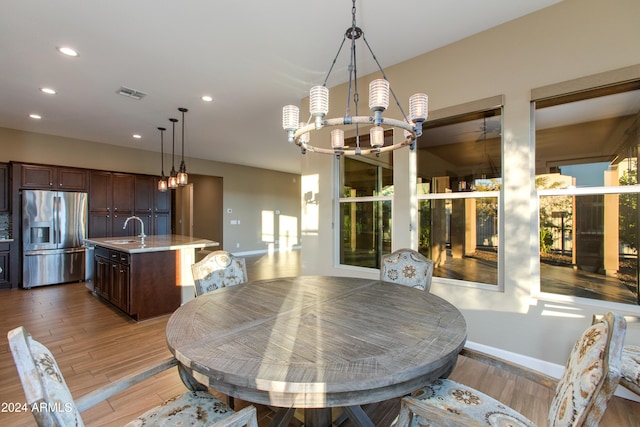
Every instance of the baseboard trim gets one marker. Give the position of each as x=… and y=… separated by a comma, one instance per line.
x=551, y=369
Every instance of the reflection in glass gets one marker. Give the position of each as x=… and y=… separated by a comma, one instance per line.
x=365, y=225
x=461, y=236
x=461, y=154
x=365, y=232
x=586, y=173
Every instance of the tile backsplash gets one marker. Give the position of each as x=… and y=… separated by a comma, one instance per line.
x=5, y=226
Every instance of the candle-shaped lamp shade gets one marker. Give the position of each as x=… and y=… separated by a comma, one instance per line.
x=290, y=117
x=376, y=135
x=418, y=107
x=379, y=95
x=337, y=139
x=319, y=101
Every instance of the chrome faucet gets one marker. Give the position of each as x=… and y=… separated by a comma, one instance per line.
x=141, y=225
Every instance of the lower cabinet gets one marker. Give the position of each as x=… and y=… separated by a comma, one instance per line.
x=112, y=277
x=5, y=253
x=143, y=284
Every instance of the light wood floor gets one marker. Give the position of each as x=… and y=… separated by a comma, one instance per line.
x=94, y=344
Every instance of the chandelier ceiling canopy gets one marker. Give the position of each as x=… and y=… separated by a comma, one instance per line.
x=379, y=89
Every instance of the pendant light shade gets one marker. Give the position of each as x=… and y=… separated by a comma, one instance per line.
x=173, y=176
x=162, y=183
x=182, y=177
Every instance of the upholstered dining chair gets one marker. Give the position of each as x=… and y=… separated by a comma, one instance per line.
x=407, y=267
x=630, y=371
x=590, y=378
x=52, y=404
x=631, y=368
x=218, y=270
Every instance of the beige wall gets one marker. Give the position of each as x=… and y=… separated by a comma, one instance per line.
x=248, y=191
x=572, y=39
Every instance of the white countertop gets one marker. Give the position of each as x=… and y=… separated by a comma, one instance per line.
x=168, y=242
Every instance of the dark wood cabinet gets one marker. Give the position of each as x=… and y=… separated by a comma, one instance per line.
x=123, y=193
x=140, y=284
x=114, y=197
x=53, y=178
x=5, y=265
x=4, y=188
x=111, y=277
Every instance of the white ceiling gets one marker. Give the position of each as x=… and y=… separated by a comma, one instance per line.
x=251, y=57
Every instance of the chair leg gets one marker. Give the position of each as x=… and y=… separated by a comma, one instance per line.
x=189, y=381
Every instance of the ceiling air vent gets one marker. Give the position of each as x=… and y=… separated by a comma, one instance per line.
x=131, y=93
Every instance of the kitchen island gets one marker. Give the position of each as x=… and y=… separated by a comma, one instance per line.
x=145, y=277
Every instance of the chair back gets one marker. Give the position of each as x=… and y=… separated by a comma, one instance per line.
x=47, y=394
x=217, y=270
x=591, y=375
x=407, y=267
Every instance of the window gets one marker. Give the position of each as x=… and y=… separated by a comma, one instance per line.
x=586, y=174
x=459, y=173
x=366, y=193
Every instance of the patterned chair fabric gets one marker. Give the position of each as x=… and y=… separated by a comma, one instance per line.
x=631, y=368
x=407, y=267
x=217, y=270
x=52, y=404
x=589, y=380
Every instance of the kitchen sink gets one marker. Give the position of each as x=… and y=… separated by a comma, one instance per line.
x=122, y=242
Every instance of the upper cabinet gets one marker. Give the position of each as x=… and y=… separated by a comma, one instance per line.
x=53, y=178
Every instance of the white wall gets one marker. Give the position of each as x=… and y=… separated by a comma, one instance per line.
x=572, y=39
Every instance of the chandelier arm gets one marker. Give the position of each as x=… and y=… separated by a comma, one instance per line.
x=384, y=75
x=344, y=38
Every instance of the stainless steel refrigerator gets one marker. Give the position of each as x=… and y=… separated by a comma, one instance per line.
x=54, y=226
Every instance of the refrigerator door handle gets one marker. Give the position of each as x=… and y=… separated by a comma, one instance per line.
x=54, y=251
x=56, y=220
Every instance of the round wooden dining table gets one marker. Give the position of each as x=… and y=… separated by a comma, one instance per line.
x=317, y=342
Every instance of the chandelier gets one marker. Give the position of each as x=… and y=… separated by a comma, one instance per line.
x=379, y=89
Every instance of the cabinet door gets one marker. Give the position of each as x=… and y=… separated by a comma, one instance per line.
x=162, y=223
x=99, y=224
x=100, y=191
x=117, y=226
x=72, y=179
x=120, y=286
x=36, y=176
x=122, y=193
x=4, y=187
x=101, y=276
x=5, y=279
x=143, y=202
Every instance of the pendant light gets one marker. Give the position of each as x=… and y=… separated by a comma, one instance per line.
x=173, y=179
x=162, y=184
x=183, y=178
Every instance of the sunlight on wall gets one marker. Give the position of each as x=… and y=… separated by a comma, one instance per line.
x=268, y=227
x=310, y=218
x=285, y=227
x=287, y=232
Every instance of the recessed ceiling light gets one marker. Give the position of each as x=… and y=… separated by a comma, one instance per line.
x=35, y=116
x=67, y=51
x=48, y=90
x=207, y=98
x=137, y=136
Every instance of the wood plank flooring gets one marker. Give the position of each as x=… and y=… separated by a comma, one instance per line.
x=95, y=344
